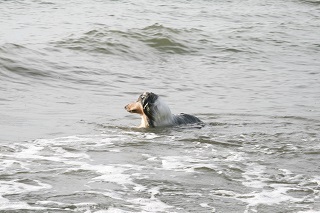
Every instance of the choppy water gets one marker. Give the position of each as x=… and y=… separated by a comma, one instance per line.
x=248, y=69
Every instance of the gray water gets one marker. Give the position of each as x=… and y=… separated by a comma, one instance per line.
x=249, y=70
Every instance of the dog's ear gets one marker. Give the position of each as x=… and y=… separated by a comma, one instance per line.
x=147, y=99
x=151, y=97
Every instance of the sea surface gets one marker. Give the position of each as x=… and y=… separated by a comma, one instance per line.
x=249, y=69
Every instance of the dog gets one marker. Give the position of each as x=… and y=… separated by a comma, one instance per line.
x=156, y=113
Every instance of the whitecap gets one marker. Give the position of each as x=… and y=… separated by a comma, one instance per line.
x=16, y=187
x=112, y=210
x=150, y=205
x=177, y=163
x=266, y=193
x=254, y=176
x=8, y=205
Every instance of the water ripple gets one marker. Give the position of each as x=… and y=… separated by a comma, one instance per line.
x=134, y=43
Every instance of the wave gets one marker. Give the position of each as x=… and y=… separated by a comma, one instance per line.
x=256, y=164
x=21, y=64
x=20, y=61
x=134, y=43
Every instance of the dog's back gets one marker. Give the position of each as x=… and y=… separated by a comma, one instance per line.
x=183, y=119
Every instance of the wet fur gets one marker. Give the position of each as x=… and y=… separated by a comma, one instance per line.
x=155, y=112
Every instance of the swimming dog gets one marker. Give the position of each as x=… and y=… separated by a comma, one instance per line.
x=155, y=112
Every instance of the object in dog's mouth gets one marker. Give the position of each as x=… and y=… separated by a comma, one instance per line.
x=155, y=112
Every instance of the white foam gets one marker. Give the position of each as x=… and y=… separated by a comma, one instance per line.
x=150, y=157
x=15, y=187
x=117, y=174
x=52, y=150
x=185, y=163
x=17, y=205
x=150, y=136
x=154, y=191
x=37, y=150
x=50, y=203
x=150, y=205
x=33, y=152
x=9, y=166
x=65, y=154
x=206, y=205
x=309, y=211
x=30, y=151
x=115, y=177
x=108, y=173
x=225, y=193
x=177, y=163
x=268, y=194
x=139, y=188
x=107, y=141
x=112, y=210
x=254, y=176
x=115, y=150
x=3, y=202
x=270, y=197
x=113, y=174
x=205, y=165
x=236, y=156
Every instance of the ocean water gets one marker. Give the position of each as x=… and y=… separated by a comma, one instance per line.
x=249, y=70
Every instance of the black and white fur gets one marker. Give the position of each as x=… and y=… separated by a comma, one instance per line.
x=156, y=113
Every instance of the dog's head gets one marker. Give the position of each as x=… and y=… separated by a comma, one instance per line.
x=145, y=106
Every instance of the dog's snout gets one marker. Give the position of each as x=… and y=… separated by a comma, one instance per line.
x=127, y=107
